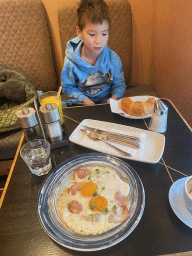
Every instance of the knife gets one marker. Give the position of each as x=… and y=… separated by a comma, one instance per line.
x=114, y=134
x=105, y=137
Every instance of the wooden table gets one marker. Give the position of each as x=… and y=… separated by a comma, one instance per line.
x=159, y=231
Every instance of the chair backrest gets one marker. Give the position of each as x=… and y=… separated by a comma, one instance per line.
x=25, y=42
x=120, y=38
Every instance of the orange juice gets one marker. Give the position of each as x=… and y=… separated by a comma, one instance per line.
x=52, y=99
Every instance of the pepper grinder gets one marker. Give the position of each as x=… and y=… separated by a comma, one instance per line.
x=51, y=118
x=158, y=121
x=28, y=120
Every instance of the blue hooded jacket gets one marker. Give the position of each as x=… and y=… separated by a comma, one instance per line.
x=81, y=80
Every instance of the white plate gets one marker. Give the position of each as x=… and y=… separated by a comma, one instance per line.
x=138, y=98
x=152, y=149
x=177, y=202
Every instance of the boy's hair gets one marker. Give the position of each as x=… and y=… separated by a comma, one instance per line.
x=95, y=11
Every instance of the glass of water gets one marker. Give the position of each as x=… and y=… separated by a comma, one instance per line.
x=36, y=154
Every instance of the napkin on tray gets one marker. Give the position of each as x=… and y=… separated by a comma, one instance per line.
x=103, y=147
x=136, y=153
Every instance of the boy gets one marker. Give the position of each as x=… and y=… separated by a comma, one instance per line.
x=92, y=72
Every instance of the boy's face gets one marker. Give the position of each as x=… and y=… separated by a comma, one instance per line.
x=95, y=37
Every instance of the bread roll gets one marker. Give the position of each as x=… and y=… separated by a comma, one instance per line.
x=137, y=108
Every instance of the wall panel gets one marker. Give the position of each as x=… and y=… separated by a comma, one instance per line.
x=172, y=53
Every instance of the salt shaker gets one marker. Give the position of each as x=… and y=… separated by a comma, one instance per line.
x=28, y=120
x=51, y=118
x=158, y=121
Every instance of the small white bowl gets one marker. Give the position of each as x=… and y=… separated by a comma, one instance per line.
x=188, y=193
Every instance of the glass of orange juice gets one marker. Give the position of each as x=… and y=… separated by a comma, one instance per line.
x=51, y=97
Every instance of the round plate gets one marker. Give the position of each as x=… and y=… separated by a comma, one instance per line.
x=177, y=202
x=138, y=98
x=60, y=178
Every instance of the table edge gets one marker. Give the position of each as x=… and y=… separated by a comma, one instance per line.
x=190, y=128
x=11, y=171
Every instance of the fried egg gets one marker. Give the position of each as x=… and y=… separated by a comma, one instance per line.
x=96, y=201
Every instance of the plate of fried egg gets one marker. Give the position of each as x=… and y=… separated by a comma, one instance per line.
x=91, y=202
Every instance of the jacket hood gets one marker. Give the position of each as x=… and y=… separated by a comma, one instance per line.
x=73, y=53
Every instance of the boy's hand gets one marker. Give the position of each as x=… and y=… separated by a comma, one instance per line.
x=87, y=101
x=113, y=97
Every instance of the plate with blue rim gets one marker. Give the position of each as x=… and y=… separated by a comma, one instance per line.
x=59, y=178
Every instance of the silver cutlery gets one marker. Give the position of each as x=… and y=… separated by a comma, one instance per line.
x=116, y=139
x=91, y=135
x=114, y=134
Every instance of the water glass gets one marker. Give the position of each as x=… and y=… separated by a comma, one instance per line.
x=36, y=154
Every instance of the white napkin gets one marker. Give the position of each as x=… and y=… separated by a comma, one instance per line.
x=103, y=147
x=137, y=153
x=115, y=106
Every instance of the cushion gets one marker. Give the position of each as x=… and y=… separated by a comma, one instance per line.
x=25, y=42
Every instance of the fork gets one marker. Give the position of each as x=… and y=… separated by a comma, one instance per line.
x=88, y=133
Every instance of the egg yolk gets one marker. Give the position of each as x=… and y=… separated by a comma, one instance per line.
x=88, y=189
x=98, y=203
